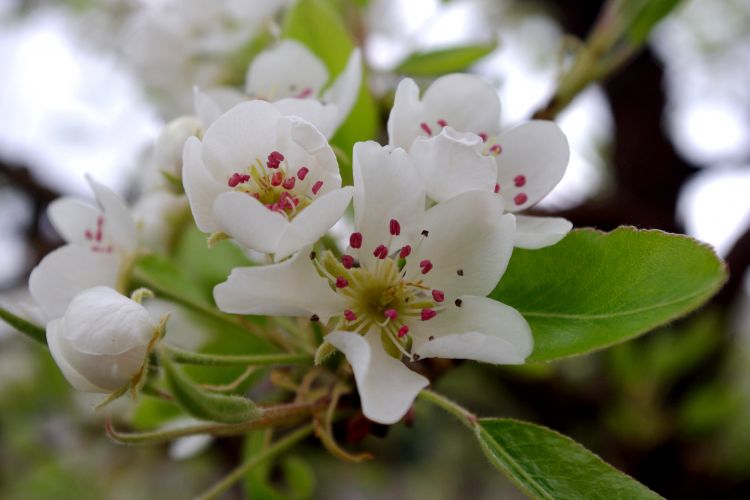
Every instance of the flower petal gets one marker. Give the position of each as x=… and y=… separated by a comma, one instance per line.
x=287, y=70
x=406, y=111
x=71, y=218
x=466, y=102
x=481, y=329
x=118, y=222
x=314, y=221
x=249, y=222
x=540, y=232
x=452, y=163
x=211, y=103
x=290, y=288
x=200, y=187
x=310, y=139
x=71, y=374
x=323, y=116
x=65, y=272
x=533, y=160
x=469, y=244
x=386, y=186
x=386, y=386
x=345, y=89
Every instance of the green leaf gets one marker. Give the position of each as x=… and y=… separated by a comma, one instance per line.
x=545, y=464
x=595, y=289
x=205, y=405
x=450, y=60
x=34, y=332
x=316, y=24
x=643, y=15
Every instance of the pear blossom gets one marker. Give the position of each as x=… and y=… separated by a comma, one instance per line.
x=158, y=215
x=167, y=152
x=102, y=340
x=269, y=181
x=453, y=137
x=412, y=284
x=101, y=245
x=291, y=77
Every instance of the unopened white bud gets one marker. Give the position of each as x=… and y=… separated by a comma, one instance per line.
x=169, y=145
x=102, y=341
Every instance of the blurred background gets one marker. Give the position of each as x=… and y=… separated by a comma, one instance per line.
x=86, y=86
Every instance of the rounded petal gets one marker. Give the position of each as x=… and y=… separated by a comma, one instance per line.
x=481, y=329
x=469, y=243
x=345, y=89
x=77, y=380
x=71, y=218
x=287, y=70
x=386, y=186
x=65, y=272
x=325, y=117
x=118, y=223
x=540, y=232
x=290, y=288
x=533, y=160
x=200, y=187
x=314, y=143
x=466, y=102
x=406, y=111
x=249, y=222
x=386, y=386
x=210, y=104
x=167, y=154
x=314, y=221
x=452, y=163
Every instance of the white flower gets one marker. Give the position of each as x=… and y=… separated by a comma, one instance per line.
x=159, y=215
x=167, y=152
x=453, y=138
x=413, y=283
x=101, y=245
x=294, y=80
x=270, y=182
x=102, y=340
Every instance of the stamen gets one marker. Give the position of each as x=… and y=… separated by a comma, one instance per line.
x=405, y=251
x=355, y=240
x=277, y=178
x=460, y=272
x=395, y=227
x=305, y=93
x=302, y=173
x=314, y=318
x=496, y=149
x=381, y=252
x=288, y=183
x=347, y=261
x=425, y=233
x=428, y=314
x=426, y=128
x=442, y=122
x=426, y=266
x=497, y=188
x=390, y=313
x=519, y=180
x=341, y=282
x=520, y=199
x=403, y=331
x=316, y=187
x=483, y=135
x=458, y=302
x=349, y=315
x=438, y=295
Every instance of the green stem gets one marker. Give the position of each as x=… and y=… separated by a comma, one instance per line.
x=193, y=358
x=34, y=332
x=278, y=447
x=465, y=416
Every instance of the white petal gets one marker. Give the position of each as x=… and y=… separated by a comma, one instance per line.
x=481, y=329
x=315, y=144
x=469, y=244
x=452, y=163
x=167, y=153
x=538, y=151
x=74, y=377
x=466, y=102
x=210, y=104
x=323, y=116
x=200, y=187
x=65, y=272
x=249, y=222
x=345, y=89
x=386, y=186
x=314, y=221
x=540, y=232
x=285, y=71
x=386, y=386
x=71, y=218
x=118, y=223
x=290, y=288
x=406, y=111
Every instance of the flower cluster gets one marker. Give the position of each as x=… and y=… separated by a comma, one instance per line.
x=435, y=221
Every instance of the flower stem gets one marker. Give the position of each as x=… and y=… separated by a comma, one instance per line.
x=28, y=328
x=465, y=416
x=193, y=358
x=278, y=447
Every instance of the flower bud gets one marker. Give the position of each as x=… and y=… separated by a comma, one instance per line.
x=102, y=341
x=168, y=148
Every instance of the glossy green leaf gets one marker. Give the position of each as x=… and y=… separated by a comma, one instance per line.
x=34, y=332
x=595, y=289
x=548, y=465
x=316, y=24
x=450, y=60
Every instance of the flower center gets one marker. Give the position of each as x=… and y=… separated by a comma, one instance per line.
x=277, y=185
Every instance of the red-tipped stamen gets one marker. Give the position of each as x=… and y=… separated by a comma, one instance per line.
x=277, y=178
x=426, y=266
x=519, y=180
x=484, y=136
x=390, y=313
x=497, y=188
x=306, y=92
x=496, y=149
x=288, y=183
x=349, y=315
x=405, y=251
x=355, y=240
x=381, y=252
x=438, y=295
x=316, y=187
x=395, y=227
x=426, y=128
x=347, y=261
x=520, y=199
x=302, y=173
x=442, y=122
x=341, y=282
x=403, y=331
x=428, y=314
